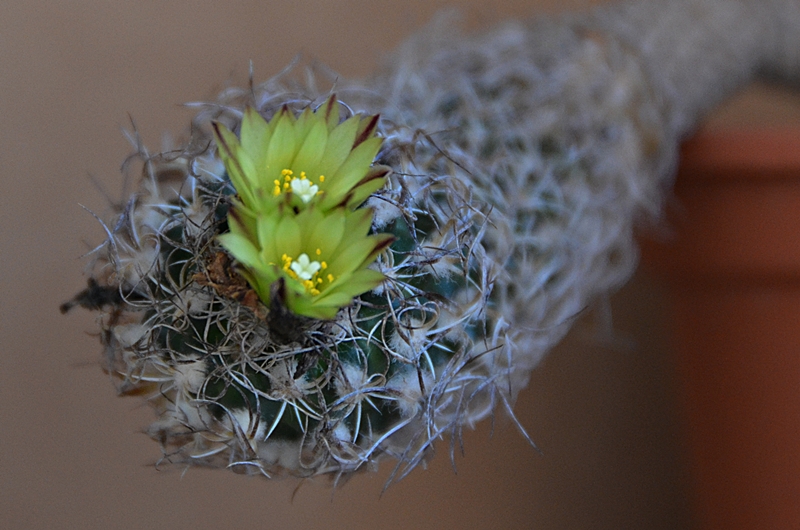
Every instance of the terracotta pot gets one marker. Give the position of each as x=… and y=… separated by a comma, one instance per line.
x=733, y=271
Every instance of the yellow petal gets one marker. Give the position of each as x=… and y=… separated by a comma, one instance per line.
x=337, y=149
x=267, y=227
x=330, y=112
x=281, y=150
x=304, y=124
x=311, y=151
x=372, y=182
x=254, y=137
x=287, y=237
x=366, y=129
x=352, y=170
x=241, y=248
x=353, y=256
x=229, y=150
x=327, y=232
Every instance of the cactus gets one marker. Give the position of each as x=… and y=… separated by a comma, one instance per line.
x=463, y=230
x=226, y=340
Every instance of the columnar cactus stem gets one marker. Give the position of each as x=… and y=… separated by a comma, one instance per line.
x=280, y=321
x=698, y=52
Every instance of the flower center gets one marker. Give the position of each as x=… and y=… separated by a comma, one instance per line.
x=304, y=267
x=302, y=186
x=307, y=271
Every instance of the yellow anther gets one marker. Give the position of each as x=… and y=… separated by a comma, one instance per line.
x=322, y=178
x=314, y=292
x=323, y=265
x=319, y=252
x=330, y=277
x=303, y=175
x=286, y=172
x=277, y=191
x=319, y=280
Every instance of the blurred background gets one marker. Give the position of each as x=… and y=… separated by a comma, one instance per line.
x=601, y=408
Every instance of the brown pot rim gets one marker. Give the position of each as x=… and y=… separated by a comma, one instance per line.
x=760, y=153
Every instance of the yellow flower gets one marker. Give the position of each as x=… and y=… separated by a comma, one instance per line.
x=283, y=160
x=299, y=181
x=323, y=257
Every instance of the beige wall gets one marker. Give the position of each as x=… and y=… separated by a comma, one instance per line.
x=71, y=72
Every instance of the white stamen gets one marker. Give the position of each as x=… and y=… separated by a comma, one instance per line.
x=304, y=189
x=303, y=267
